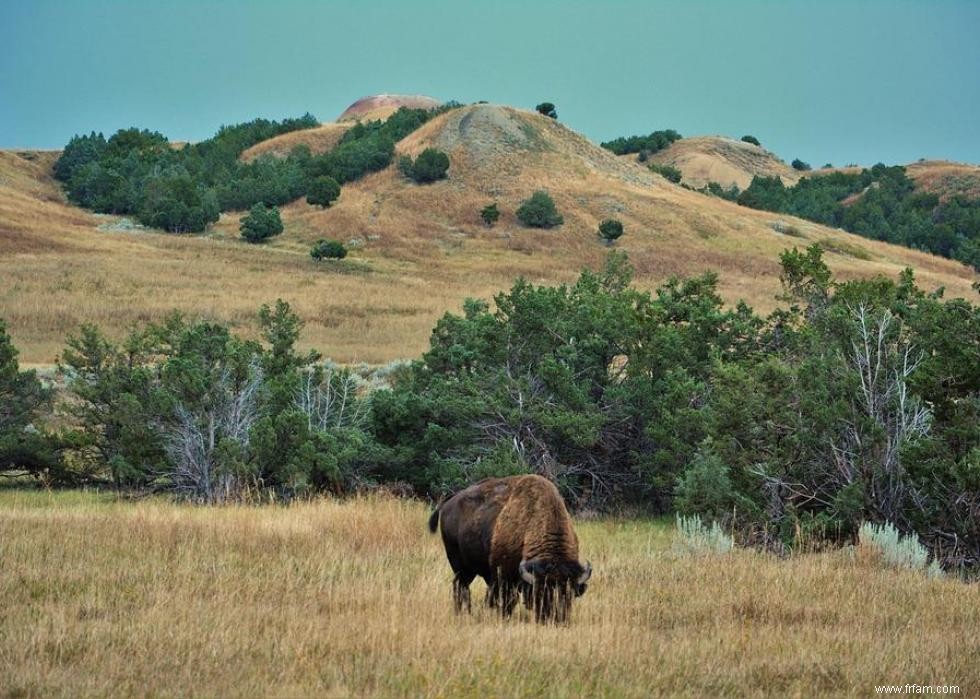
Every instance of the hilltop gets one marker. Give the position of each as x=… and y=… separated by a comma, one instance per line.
x=383, y=106
x=417, y=251
x=945, y=178
x=727, y=161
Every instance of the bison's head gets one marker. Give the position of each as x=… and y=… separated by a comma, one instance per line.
x=552, y=585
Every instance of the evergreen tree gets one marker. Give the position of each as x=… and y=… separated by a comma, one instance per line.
x=261, y=223
x=323, y=191
x=539, y=211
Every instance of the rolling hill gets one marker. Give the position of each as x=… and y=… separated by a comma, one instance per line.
x=945, y=178
x=417, y=251
x=383, y=106
x=704, y=159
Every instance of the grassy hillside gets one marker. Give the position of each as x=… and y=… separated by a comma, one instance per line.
x=417, y=250
x=704, y=159
x=945, y=178
x=161, y=599
x=319, y=140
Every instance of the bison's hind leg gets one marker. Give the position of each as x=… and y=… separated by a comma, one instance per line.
x=461, y=591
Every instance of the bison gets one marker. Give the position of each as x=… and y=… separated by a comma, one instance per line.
x=517, y=535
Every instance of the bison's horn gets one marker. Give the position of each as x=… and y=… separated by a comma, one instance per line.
x=586, y=574
x=526, y=574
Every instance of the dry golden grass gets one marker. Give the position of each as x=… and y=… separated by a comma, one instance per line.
x=945, y=178
x=341, y=598
x=727, y=161
x=421, y=250
x=319, y=139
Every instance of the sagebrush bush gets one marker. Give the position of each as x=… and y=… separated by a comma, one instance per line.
x=896, y=550
x=692, y=536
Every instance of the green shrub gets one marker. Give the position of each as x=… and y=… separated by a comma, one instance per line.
x=610, y=230
x=668, y=172
x=190, y=407
x=137, y=172
x=547, y=109
x=649, y=144
x=706, y=486
x=716, y=190
x=323, y=191
x=881, y=203
x=24, y=446
x=260, y=223
x=751, y=139
x=177, y=204
x=490, y=214
x=539, y=211
x=81, y=150
x=328, y=250
x=800, y=165
x=431, y=165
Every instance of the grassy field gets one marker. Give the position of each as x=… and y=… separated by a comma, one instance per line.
x=352, y=597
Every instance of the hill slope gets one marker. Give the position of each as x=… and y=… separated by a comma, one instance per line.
x=704, y=159
x=945, y=178
x=319, y=139
x=417, y=251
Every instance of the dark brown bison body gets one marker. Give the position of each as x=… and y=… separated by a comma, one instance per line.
x=516, y=534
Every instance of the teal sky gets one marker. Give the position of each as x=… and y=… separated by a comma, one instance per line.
x=849, y=81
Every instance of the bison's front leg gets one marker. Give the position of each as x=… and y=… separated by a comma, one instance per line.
x=461, y=592
x=503, y=596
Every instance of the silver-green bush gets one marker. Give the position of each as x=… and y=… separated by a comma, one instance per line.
x=693, y=536
x=896, y=550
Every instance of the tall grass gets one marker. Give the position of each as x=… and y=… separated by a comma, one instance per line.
x=352, y=597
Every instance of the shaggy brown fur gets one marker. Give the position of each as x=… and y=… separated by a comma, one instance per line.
x=517, y=535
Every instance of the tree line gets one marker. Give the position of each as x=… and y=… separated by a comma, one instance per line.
x=183, y=189
x=879, y=203
x=854, y=402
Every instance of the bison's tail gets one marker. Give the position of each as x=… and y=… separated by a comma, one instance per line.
x=434, y=519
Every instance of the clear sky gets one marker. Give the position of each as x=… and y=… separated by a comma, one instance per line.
x=840, y=81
